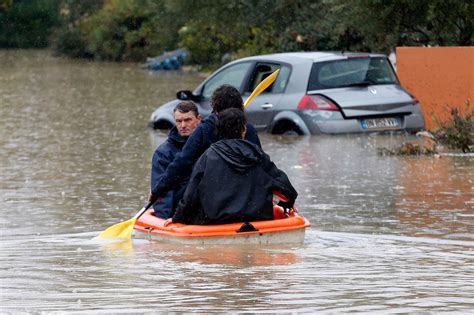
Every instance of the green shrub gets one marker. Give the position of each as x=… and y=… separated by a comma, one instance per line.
x=458, y=132
x=69, y=38
x=71, y=42
x=207, y=45
x=27, y=24
x=117, y=30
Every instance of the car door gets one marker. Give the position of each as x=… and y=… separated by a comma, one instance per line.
x=263, y=108
x=234, y=75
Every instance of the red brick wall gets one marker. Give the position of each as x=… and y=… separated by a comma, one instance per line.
x=439, y=77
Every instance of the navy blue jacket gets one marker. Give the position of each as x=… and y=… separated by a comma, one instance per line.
x=233, y=181
x=182, y=166
x=163, y=156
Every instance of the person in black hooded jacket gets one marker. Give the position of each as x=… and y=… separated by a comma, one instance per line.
x=233, y=181
x=180, y=169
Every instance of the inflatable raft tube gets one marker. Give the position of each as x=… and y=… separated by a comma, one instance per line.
x=287, y=227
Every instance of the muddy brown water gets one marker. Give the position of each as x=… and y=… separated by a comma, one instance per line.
x=388, y=234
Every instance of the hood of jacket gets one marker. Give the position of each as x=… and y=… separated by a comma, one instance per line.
x=175, y=138
x=241, y=155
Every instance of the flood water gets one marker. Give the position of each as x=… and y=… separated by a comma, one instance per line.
x=388, y=234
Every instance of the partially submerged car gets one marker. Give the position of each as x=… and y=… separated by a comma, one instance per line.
x=314, y=93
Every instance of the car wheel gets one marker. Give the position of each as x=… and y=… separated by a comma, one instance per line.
x=286, y=128
x=291, y=132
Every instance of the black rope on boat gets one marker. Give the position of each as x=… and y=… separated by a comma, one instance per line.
x=247, y=227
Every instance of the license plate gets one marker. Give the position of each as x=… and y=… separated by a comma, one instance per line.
x=380, y=123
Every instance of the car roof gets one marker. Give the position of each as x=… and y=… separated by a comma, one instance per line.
x=313, y=56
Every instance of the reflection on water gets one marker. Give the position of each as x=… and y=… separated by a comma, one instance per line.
x=440, y=200
x=332, y=272
x=346, y=186
x=389, y=234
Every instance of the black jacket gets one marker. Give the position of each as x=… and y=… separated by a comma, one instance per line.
x=162, y=157
x=200, y=140
x=233, y=181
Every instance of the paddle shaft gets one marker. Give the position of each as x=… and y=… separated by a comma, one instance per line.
x=144, y=209
x=262, y=86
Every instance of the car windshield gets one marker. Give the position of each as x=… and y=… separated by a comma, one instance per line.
x=233, y=75
x=355, y=71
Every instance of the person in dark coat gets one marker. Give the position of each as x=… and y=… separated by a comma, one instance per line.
x=187, y=118
x=224, y=97
x=233, y=181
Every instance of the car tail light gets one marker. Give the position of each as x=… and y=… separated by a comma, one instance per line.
x=317, y=102
x=414, y=100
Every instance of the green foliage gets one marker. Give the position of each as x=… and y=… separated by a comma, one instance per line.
x=210, y=30
x=243, y=28
x=458, y=133
x=207, y=45
x=26, y=24
x=113, y=33
x=5, y=4
x=385, y=24
x=71, y=42
x=118, y=30
x=68, y=38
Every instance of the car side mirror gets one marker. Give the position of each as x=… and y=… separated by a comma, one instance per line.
x=186, y=95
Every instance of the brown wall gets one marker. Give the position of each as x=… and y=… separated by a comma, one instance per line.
x=439, y=77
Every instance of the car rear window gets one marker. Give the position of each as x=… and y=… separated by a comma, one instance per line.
x=351, y=72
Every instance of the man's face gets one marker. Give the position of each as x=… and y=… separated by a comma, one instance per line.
x=186, y=122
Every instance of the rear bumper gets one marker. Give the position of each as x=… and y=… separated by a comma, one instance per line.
x=332, y=122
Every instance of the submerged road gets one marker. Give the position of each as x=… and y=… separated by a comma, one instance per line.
x=389, y=234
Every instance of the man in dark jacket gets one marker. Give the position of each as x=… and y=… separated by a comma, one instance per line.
x=180, y=169
x=233, y=181
x=187, y=118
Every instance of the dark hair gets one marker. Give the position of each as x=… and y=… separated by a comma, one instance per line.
x=226, y=96
x=186, y=107
x=230, y=123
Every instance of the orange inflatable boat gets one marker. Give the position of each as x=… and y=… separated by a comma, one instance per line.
x=287, y=227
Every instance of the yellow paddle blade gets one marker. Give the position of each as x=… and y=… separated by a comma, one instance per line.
x=120, y=230
x=262, y=86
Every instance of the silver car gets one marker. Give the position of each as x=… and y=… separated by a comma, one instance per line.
x=315, y=93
